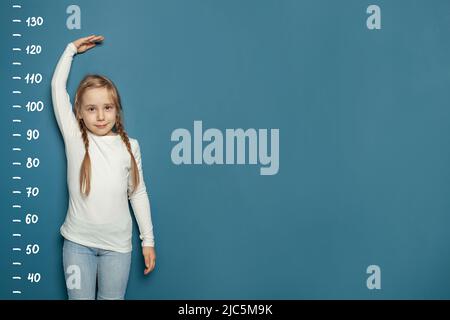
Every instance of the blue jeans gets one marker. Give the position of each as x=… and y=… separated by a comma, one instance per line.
x=85, y=267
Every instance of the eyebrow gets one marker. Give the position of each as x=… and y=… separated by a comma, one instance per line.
x=94, y=105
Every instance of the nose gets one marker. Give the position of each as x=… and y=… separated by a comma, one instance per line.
x=100, y=115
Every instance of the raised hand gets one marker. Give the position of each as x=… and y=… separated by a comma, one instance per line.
x=86, y=43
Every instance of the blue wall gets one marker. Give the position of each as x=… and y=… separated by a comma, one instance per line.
x=364, y=162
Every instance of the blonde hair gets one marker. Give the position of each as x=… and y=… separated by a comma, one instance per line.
x=98, y=81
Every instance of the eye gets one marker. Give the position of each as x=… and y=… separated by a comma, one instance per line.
x=90, y=109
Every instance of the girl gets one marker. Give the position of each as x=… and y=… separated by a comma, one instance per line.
x=104, y=171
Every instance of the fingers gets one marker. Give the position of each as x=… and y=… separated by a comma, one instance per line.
x=87, y=43
x=86, y=39
x=153, y=265
x=93, y=38
x=90, y=37
x=147, y=271
x=96, y=38
x=149, y=264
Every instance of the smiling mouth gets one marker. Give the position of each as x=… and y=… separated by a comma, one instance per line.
x=101, y=127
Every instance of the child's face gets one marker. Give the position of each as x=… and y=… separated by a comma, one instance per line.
x=98, y=111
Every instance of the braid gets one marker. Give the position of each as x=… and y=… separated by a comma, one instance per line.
x=134, y=167
x=85, y=170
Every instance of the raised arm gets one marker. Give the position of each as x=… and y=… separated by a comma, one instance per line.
x=61, y=101
x=62, y=106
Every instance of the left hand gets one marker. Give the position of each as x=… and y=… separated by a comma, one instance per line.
x=149, y=259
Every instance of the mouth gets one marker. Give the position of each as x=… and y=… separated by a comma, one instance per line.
x=101, y=126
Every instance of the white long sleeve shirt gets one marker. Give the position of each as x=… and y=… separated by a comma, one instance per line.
x=102, y=219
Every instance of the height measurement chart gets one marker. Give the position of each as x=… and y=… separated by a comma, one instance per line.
x=25, y=103
x=291, y=149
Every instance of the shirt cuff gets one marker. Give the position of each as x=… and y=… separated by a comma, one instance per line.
x=72, y=48
x=148, y=243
